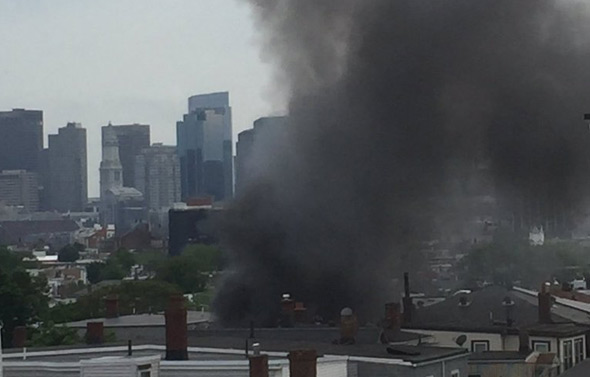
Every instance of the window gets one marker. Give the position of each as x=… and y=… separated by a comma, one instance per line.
x=456, y=373
x=568, y=357
x=541, y=346
x=480, y=345
x=579, y=350
x=144, y=370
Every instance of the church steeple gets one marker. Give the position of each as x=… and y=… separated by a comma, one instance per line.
x=111, y=170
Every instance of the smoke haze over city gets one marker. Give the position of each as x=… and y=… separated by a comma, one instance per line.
x=389, y=101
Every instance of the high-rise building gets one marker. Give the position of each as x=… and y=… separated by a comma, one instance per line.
x=157, y=176
x=204, y=139
x=111, y=170
x=21, y=139
x=19, y=188
x=68, y=175
x=256, y=147
x=244, y=148
x=131, y=138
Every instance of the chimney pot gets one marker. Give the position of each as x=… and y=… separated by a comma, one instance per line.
x=112, y=306
x=94, y=332
x=393, y=316
x=19, y=337
x=259, y=366
x=303, y=363
x=300, y=312
x=544, y=305
x=287, y=311
x=176, y=329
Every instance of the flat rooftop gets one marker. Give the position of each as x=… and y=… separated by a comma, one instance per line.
x=143, y=320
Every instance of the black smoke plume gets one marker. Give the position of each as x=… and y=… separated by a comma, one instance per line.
x=391, y=101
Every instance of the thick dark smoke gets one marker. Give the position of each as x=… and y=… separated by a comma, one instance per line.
x=390, y=100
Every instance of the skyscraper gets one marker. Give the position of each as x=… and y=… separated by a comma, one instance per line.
x=157, y=176
x=255, y=149
x=131, y=139
x=243, y=152
x=21, y=139
x=204, y=139
x=19, y=188
x=68, y=175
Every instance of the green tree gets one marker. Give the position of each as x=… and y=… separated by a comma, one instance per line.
x=123, y=258
x=23, y=299
x=189, y=271
x=112, y=271
x=148, y=296
x=206, y=257
x=68, y=253
x=150, y=259
x=509, y=259
x=184, y=272
x=48, y=334
x=94, y=272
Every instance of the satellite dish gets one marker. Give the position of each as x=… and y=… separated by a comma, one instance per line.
x=461, y=339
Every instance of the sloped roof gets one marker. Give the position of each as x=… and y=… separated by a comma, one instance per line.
x=484, y=312
x=579, y=370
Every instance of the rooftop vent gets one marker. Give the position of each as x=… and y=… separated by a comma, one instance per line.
x=507, y=302
x=464, y=301
x=121, y=366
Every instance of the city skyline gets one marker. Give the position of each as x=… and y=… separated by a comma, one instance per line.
x=98, y=74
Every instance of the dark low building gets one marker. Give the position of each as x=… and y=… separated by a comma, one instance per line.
x=192, y=225
x=57, y=233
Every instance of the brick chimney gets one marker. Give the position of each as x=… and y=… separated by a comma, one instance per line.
x=287, y=311
x=19, y=337
x=392, y=316
x=524, y=341
x=300, y=313
x=545, y=303
x=303, y=363
x=259, y=366
x=94, y=332
x=176, y=329
x=407, y=300
x=111, y=306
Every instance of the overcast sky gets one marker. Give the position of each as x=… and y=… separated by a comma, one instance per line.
x=130, y=61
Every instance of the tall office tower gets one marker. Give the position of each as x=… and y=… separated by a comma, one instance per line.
x=204, y=139
x=68, y=178
x=21, y=139
x=111, y=170
x=19, y=188
x=132, y=138
x=243, y=152
x=255, y=149
x=157, y=176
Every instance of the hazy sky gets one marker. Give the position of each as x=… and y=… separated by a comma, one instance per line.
x=130, y=61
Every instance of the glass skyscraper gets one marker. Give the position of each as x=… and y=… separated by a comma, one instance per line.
x=204, y=139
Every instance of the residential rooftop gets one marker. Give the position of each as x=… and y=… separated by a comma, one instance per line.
x=492, y=309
